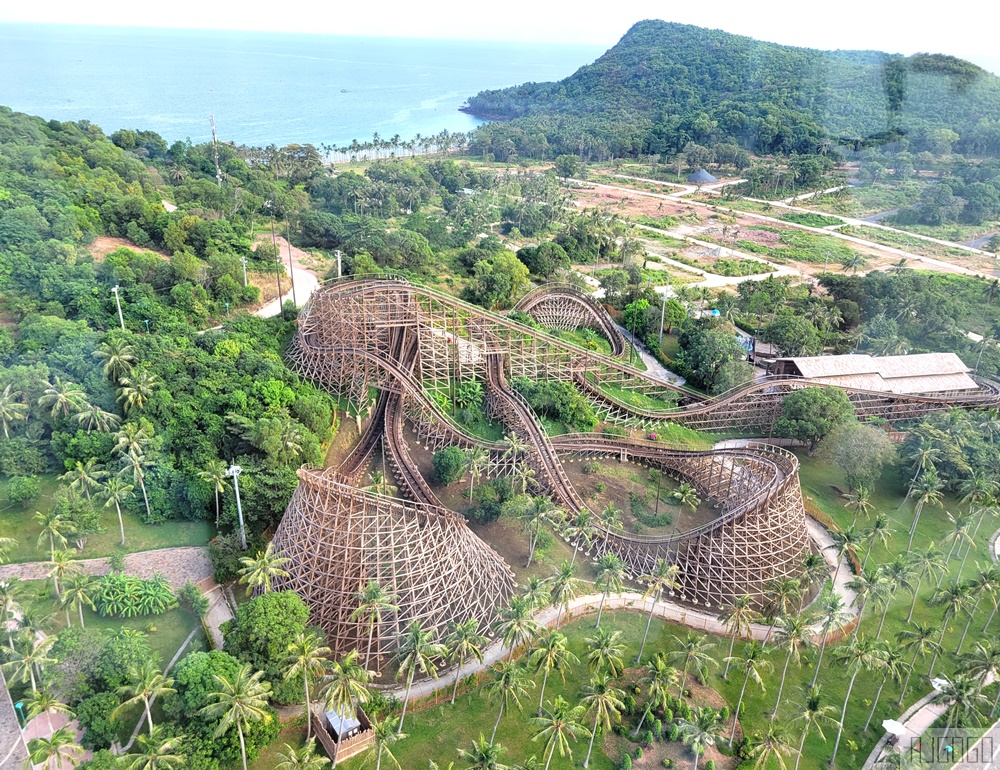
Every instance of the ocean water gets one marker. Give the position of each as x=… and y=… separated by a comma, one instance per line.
x=262, y=88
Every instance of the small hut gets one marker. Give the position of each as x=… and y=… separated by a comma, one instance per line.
x=342, y=735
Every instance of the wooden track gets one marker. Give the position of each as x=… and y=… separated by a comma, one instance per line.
x=565, y=307
x=413, y=344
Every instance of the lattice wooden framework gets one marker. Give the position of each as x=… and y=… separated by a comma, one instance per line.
x=413, y=344
x=339, y=538
x=565, y=307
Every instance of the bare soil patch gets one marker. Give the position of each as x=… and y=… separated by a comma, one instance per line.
x=105, y=244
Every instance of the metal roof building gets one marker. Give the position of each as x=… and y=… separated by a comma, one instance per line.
x=914, y=374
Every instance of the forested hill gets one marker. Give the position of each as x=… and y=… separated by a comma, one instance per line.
x=664, y=85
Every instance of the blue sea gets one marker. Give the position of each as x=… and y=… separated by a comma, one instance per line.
x=263, y=88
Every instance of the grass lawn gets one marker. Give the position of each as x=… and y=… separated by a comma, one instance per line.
x=19, y=523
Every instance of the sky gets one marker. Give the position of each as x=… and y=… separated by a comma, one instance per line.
x=962, y=28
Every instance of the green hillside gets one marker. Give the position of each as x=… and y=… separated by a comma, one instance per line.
x=664, y=85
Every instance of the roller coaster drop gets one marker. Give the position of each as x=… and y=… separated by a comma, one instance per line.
x=413, y=344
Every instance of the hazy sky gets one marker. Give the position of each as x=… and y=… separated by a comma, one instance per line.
x=963, y=28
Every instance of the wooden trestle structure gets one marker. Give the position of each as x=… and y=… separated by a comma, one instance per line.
x=412, y=345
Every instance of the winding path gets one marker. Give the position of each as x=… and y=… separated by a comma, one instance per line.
x=177, y=565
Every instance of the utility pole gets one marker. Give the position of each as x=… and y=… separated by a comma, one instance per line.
x=215, y=149
x=663, y=315
x=234, y=473
x=274, y=242
x=339, y=254
x=118, y=301
x=291, y=270
x=244, y=261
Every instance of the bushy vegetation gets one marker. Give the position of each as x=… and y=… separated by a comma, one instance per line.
x=559, y=401
x=126, y=596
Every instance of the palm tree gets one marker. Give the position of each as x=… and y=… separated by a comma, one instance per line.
x=516, y=624
x=564, y=588
x=847, y=541
x=784, y=594
x=11, y=409
x=260, y=571
x=832, y=614
x=148, y=684
x=688, y=495
x=539, y=510
x=536, y=591
x=892, y=665
x=814, y=570
x=919, y=639
x=84, y=475
x=306, y=758
x=813, y=715
x=981, y=664
x=345, y=685
x=879, y=531
x=663, y=578
x=605, y=652
x=117, y=491
x=51, y=752
x=660, y=677
x=464, y=642
x=214, y=473
x=157, y=752
x=958, y=537
x=925, y=489
x=77, y=593
x=136, y=464
x=551, y=654
x=307, y=656
x=859, y=654
x=118, y=358
x=11, y=592
x=926, y=563
x=580, y=531
x=610, y=577
x=417, y=649
x=606, y=703
x=92, y=417
x=62, y=397
x=558, y=725
x=955, y=599
x=484, y=755
x=700, y=731
x=694, y=653
x=770, y=744
x=793, y=633
x=866, y=584
x=61, y=566
x=739, y=614
x=860, y=501
x=27, y=656
x=136, y=389
x=898, y=574
x=753, y=664
x=963, y=696
x=44, y=702
x=373, y=602
x=239, y=699
x=508, y=684
x=54, y=528
x=475, y=461
x=385, y=732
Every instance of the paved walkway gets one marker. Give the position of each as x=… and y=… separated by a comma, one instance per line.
x=219, y=611
x=985, y=754
x=305, y=280
x=13, y=751
x=177, y=565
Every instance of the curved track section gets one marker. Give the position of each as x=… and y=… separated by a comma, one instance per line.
x=339, y=538
x=565, y=307
x=413, y=344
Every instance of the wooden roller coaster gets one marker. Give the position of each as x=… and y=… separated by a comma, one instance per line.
x=414, y=345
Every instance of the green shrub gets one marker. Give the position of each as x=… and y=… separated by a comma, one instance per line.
x=558, y=401
x=449, y=464
x=709, y=764
x=94, y=714
x=193, y=600
x=22, y=490
x=127, y=596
